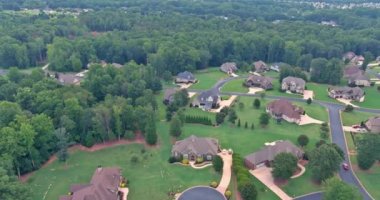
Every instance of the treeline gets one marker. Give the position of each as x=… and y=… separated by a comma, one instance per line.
x=174, y=41
x=198, y=120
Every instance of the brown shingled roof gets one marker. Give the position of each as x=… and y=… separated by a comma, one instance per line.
x=284, y=107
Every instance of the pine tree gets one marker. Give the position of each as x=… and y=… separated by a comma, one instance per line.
x=175, y=127
x=238, y=123
x=246, y=125
x=252, y=126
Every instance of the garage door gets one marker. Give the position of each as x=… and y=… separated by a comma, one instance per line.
x=260, y=165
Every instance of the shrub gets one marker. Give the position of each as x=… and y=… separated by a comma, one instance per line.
x=185, y=161
x=349, y=108
x=172, y=159
x=303, y=140
x=308, y=101
x=198, y=120
x=134, y=159
x=244, y=179
x=217, y=163
x=256, y=103
x=214, y=184
x=228, y=194
x=199, y=160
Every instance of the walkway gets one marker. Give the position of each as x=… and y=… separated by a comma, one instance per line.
x=227, y=171
x=125, y=192
x=264, y=174
x=303, y=170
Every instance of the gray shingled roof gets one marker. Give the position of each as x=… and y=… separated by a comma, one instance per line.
x=353, y=91
x=374, y=124
x=196, y=145
x=261, y=81
x=269, y=152
x=186, y=75
x=298, y=81
x=228, y=67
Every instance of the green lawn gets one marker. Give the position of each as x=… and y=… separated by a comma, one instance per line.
x=372, y=96
x=151, y=178
x=301, y=185
x=235, y=85
x=207, y=78
x=355, y=117
x=370, y=178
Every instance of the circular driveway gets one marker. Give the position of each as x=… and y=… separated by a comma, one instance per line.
x=201, y=193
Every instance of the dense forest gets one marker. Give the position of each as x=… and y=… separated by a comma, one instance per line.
x=153, y=39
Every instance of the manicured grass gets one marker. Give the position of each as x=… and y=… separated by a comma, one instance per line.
x=301, y=185
x=370, y=178
x=372, y=96
x=320, y=91
x=235, y=85
x=207, y=78
x=355, y=117
x=151, y=178
x=315, y=111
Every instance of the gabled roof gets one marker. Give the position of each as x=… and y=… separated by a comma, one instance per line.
x=197, y=145
x=359, y=76
x=186, y=75
x=169, y=93
x=298, y=81
x=284, y=107
x=104, y=185
x=352, y=70
x=353, y=91
x=349, y=55
x=269, y=152
x=69, y=79
x=374, y=122
x=228, y=67
x=261, y=80
x=206, y=95
x=260, y=65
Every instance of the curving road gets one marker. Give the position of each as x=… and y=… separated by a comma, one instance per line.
x=337, y=134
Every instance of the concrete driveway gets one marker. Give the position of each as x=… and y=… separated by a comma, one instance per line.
x=227, y=171
x=264, y=174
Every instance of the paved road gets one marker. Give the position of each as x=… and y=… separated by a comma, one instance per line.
x=337, y=133
x=312, y=196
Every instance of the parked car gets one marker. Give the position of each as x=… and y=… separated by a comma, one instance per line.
x=356, y=126
x=345, y=166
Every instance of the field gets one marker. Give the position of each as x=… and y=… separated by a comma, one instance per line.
x=370, y=178
x=207, y=78
x=372, y=96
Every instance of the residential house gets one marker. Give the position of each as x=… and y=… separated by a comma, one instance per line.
x=293, y=84
x=207, y=100
x=68, y=78
x=195, y=147
x=360, y=79
x=266, y=155
x=352, y=58
x=260, y=66
x=352, y=70
x=228, y=67
x=259, y=81
x=373, y=125
x=169, y=96
x=378, y=59
x=349, y=93
x=104, y=185
x=284, y=109
x=349, y=56
x=185, y=77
